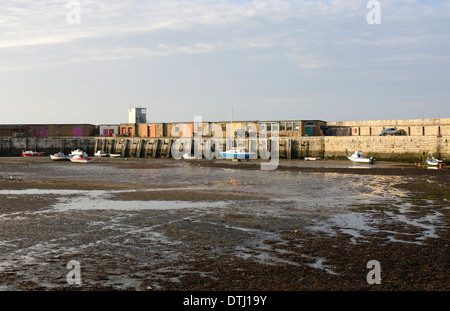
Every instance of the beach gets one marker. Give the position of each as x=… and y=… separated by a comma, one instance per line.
x=166, y=224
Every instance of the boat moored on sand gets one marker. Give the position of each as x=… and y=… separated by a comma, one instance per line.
x=30, y=153
x=312, y=159
x=59, y=157
x=431, y=160
x=83, y=158
x=188, y=156
x=358, y=157
x=238, y=153
x=101, y=154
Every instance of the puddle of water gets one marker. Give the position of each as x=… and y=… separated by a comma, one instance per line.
x=97, y=200
x=89, y=203
x=319, y=265
x=361, y=225
x=428, y=223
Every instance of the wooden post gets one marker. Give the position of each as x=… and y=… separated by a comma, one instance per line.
x=123, y=147
x=96, y=145
x=155, y=148
x=289, y=149
x=139, y=148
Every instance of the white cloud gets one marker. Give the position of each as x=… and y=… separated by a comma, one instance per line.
x=116, y=29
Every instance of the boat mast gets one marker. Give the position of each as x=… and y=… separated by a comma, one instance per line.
x=231, y=122
x=231, y=126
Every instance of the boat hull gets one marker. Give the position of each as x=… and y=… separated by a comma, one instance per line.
x=78, y=160
x=312, y=159
x=84, y=158
x=435, y=163
x=187, y=156
x=100, y=154
x=59, y=158
x=361, y=160
x=228, y=155
x=33, y=154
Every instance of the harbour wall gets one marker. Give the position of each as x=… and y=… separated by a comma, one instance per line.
x=14, y=146
x=401, y=148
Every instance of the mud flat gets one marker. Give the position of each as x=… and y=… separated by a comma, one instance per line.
x=163, y=224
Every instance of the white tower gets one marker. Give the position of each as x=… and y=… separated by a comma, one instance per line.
x=137, y=115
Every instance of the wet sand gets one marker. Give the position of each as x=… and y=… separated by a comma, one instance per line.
x=163, y=224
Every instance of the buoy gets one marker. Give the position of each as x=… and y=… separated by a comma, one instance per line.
x=420, y=164
x=440, y=165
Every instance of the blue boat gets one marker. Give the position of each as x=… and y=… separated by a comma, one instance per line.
x=433, y=161
x=237, y=153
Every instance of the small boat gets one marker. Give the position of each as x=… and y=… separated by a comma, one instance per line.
x=59, y=157
x=433, y=161
x=312, y=158
x=357, y=157
x=84, y=158
x=115, y=155
x=101, y=154
x=188, y=156
x=237, y=153
x=33, y=154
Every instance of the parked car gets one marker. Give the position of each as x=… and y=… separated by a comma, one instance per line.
x=389, y=131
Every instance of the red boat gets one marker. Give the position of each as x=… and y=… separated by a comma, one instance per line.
x=33, y=154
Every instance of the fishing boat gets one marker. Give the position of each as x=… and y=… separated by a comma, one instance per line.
x=433, y=161
x=101, y=154
x=59, y=157
x=33, y=154
x=83, y=158
x=237, y=153
x=358, y=157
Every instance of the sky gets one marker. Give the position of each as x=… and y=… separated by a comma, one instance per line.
x=88, y=61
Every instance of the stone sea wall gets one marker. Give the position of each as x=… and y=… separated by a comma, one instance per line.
x=402, y=148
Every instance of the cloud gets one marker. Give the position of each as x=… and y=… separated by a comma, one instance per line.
x=311, y=34
x=204, y=52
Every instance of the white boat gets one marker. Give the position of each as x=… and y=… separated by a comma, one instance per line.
x=358, y=157
x=59, y=157
x=115, y=155
x=84, y=158
x=101, y=154
x=237, y=153
x=188, y=156
x=433, y=161
x=312, y=158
